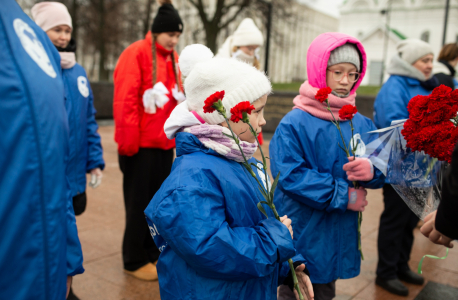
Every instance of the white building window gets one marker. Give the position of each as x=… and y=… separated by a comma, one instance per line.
x=425, y=36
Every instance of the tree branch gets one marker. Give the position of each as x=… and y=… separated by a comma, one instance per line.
x=242, y=7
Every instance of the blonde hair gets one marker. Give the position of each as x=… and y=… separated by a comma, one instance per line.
x=256, y=63
x=175, y=69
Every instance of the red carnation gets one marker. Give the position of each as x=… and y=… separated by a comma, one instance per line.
x=241, y=112
x=323, y=94
x=347, y=112
x=210, y=102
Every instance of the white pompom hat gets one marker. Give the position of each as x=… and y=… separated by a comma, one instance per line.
x=206, y=75
x=247, y=34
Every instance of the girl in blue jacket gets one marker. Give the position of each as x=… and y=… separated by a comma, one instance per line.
x=215, y=242
x=85, y=145
x=314, y=188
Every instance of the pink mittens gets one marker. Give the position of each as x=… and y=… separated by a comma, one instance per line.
x=357, y=199
x=359, y=169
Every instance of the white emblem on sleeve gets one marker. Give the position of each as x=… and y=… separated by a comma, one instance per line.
x=82, y=86
x=263, y=176
x=33, y=47
x=361, y=148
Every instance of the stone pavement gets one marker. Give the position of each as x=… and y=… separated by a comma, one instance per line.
x=101, y=230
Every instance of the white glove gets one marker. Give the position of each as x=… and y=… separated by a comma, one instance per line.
x=96, y=178
x=179, y=96
x=155, y=97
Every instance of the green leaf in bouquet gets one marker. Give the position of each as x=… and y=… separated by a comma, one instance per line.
x=263, y=192
x=262, y=209
x=274, y=185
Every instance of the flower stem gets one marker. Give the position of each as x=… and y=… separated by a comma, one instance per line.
x=355, y=183
x=296, y=284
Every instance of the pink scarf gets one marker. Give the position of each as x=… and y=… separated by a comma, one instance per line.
x=215, y=137
x=67, y=60
x=307, y=102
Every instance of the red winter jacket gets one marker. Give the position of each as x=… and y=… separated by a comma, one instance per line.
x=134, y=128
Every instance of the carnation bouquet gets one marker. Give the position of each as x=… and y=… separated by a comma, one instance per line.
x=239, y=113
x=412, y=152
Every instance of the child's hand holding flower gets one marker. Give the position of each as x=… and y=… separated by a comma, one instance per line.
x=359, y=169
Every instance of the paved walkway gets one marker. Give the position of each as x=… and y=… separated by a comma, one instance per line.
x=101, y=230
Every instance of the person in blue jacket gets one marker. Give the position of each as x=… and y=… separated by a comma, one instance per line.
x=314, y=190
x=40, y=250
x=86, y=155
x=410, y=75
x=215, y=242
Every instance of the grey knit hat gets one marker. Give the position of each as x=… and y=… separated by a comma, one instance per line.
x=412, y=50
x=346, y=53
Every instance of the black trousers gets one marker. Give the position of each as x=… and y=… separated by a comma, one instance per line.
x=395, y=237
x=144, y=174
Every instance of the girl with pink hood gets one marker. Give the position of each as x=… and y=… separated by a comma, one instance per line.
x=315, y=188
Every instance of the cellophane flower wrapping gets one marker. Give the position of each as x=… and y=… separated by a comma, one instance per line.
x=414, y=175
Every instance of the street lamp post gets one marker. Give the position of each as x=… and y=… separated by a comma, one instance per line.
x=447, y=6
x=386, y=11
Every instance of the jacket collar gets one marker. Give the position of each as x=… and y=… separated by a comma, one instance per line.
x=160, y=50
x=449, y=67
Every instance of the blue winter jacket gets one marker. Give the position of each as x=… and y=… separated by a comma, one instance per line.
x=85, y=147
x=215, y=242
x=313, y=191
x=39, y=244
x=395, y=94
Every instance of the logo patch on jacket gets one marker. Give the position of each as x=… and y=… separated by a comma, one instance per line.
x=33, y=47
x=361, y=148
x=263, y=176
x=82, y=86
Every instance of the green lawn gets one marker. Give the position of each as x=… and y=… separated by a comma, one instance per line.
x=294, y=87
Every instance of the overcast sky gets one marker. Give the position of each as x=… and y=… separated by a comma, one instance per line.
x=330, y=7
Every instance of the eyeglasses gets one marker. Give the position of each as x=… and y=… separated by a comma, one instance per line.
x=339, y=75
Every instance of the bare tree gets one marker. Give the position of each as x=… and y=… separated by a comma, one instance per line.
x=227, y=11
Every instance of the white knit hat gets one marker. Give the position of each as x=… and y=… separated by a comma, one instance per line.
x=206, y=75
x=51, y=14
x=412, y=50
x=247, y=34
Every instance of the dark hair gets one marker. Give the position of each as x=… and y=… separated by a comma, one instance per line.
x=449, y=52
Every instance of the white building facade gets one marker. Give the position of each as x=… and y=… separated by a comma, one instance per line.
x=421, y=19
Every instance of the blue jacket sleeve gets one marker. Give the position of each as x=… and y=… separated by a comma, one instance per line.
x=298, y=180
x=74, y=251
x=391, y=104
x=95, y=152
x=192, y=220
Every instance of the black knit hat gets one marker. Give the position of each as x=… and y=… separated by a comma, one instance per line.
x=167, y=19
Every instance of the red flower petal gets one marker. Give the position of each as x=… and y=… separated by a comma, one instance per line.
x=429, y=128
x=323, y=94
x=211, y=100
x=238, y=110
x=347, y=112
